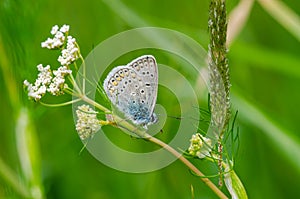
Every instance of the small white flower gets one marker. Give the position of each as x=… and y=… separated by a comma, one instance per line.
x=45, y=75
x=65, y=28
x=37, y=90
x=59, y=37
x=71, y=40
x=200, y=146
x=47, y=43
x=87, y=123
x=58, y=85
x=27, y=83
x=70, y=54
x=53, y=43
x=54, y=30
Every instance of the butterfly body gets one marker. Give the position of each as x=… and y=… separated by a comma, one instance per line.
x=133, y=89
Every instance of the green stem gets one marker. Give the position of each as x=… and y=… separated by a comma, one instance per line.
x=92, y=102
x=84, y=73
x=75, y=85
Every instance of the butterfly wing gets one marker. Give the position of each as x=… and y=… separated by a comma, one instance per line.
x=146, y=68
x=133, y=89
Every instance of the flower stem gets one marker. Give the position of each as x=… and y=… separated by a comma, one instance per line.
x=75, y=85
x=84, y=72
x=92, y=102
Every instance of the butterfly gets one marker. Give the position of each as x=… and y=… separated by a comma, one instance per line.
x=133, y=89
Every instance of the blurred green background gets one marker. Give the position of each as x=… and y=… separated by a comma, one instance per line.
x=265, y=73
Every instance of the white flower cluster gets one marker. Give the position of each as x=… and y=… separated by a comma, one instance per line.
x=47, y=83
x=59, y=37
x=69, y=54
x=54, y=81
x=200, y=146
x=39, y=88
x=87, y=123
x=58, y=82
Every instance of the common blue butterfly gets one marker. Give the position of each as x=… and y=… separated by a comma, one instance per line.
x=133, y=89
